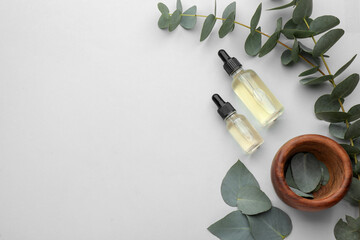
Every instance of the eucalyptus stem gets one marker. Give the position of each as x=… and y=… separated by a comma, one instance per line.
x=262, y=33
x=339, y=100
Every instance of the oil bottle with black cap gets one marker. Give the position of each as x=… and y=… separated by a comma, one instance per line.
x=252, y=91
x=238, y=126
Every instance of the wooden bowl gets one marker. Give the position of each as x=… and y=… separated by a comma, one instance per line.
x=326, y=150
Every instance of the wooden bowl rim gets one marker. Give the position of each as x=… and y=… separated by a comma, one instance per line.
x=279, y=163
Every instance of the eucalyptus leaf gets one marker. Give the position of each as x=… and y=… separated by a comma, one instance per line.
x=253, y=43
x=269, y=45
x=316, y=80
x=179, y=5
x=306, y=171
x=163, y=8
x=286, y=57
x=228, y=10
x=292, y=29
x=237, y=177
x=323, y=24
x=353, y=131
x=326, y=103
x=294, y=33
x=290, y=4
x=289, y=178
x=189, y=22
x=338, y=130
x=327, y=41
x=251, y=200
x=343, y=231
x=174, y=20
x=325, y=173
x=353, y=195
x=301, y=194
x=343, y=68
x=302, y=10
x=309, y=72
x=279, y=24
x=255, y=19
x=295, y=51
x=351, y=150
x=164, y=21
x=354, y=113
x=274, y=224
x=346, y=87
x=332, y=117
x=353, y=223
x=234, y=226
x=227, y=26
x=207, y=27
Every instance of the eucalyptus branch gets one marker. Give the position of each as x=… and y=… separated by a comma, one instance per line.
x=344, y=125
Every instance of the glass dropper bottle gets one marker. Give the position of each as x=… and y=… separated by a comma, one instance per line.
x=238, y=126
x=252, y=91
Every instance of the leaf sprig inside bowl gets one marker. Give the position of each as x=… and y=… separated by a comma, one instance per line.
x=306, y=174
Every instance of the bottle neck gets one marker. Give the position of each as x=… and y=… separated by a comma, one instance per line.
x=230, y=115
x=236, y=72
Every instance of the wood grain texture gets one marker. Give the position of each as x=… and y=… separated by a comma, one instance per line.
x=331, y=154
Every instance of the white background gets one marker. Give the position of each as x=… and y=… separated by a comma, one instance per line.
x=108, y=131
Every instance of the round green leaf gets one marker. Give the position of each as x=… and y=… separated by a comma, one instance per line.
x=326, y=103
x=354, y=191
x=354, y=113
x=189, y=22
x=295, y=51
x=302, y=11
x=293, y=33
x=353, y=131
x=346, y=87
x=174, y=20
x=323, y=23
x=309, y=72
x=237, y=177
x=327, y=41
x=343, y=68
x=229, y=9
x=207, y=27
x=234, y=226
x=333, y=117
x=353, y=223
x=286, y=57
x=255, y=19
x=251, y=200
x=351, y=150
x=325, y=173
x=227, y=25
x=301, y=194
x=253, y=43
x=289, y=178
x=274, y=224
x=279, y=25
x=343, y=231
x=316, y=80
x=269, y=44
x=306, y=171
x=164, y=21
x=338, y=130
x=179, y=5
x=163, y=8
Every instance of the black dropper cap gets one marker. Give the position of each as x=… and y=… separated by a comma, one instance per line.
x=231, y=64
x=224, y=108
